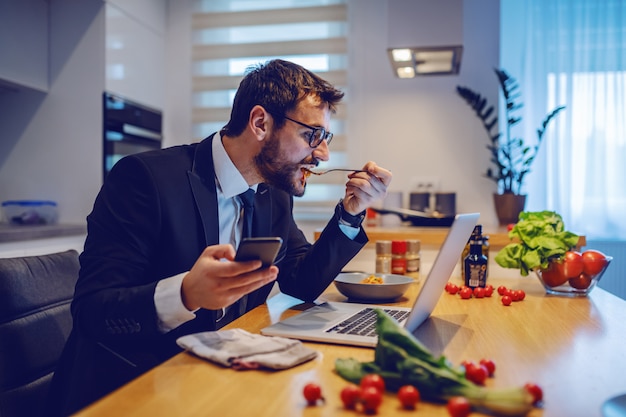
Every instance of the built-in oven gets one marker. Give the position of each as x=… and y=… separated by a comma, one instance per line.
x=129, y=128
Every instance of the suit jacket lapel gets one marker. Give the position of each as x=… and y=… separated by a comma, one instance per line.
x=202, y=182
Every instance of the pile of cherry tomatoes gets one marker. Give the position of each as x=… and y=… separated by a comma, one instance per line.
x=508, y=295
x=368, y=395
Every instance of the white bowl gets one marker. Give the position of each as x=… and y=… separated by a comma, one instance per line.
x=351, y=285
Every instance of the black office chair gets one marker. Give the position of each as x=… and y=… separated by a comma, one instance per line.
x=35, y=322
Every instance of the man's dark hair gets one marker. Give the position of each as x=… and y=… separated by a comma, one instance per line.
x=278, y=86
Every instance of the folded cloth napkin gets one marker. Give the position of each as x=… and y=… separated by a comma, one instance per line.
x=240, y=349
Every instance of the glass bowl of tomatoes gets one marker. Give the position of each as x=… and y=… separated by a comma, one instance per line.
x=575, y=274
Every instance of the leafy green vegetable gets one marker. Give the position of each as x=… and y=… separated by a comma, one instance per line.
x=542, y=237
x=402, y=359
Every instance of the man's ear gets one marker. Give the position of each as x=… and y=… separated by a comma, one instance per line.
x=260, y=122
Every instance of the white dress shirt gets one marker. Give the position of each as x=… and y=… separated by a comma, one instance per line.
x=229, y=183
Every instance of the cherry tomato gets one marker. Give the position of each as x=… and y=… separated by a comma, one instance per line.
x=467, y=363
x=502, y=290
x=479, y=292
x=490, y=365
x=371, y=398
x=517, y=295
x=459, y=407
x=312, y=393
x=409, y=396
x=373, y=380
x=581, y=282
x=350, y=396
x=593, y=262
x=477, y=373
x=506, y=300
x=466, y=293
x=452, y=288
x=553, y=276
x=488, y=290
x=572, y=264
x=536, y=391
x=510, y=227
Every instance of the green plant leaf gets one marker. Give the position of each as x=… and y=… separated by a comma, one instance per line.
x=512, y=159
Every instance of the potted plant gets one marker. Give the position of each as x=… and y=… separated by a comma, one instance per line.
x=511, y=155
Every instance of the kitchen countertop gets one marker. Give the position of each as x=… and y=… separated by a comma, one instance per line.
x=433, y=237
x=17, y=233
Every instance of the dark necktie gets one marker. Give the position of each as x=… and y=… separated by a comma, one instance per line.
x=247, y=200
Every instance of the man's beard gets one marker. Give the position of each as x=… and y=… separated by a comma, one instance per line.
x=277, y=170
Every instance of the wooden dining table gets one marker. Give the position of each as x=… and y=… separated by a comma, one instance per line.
x=571, y=347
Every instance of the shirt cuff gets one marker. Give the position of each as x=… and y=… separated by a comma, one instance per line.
x=349, y=231
x=171, y=312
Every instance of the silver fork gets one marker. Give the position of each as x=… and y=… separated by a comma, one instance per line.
x=335, y=169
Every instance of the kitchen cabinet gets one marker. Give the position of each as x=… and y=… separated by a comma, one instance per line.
x=24, y=45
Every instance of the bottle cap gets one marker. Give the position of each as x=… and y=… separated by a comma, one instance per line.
x=398, y=246
x=383, y=247
x=413, y=246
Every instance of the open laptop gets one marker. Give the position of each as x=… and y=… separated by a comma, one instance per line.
x=345, y=323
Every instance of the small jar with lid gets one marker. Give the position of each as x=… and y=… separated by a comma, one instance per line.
x=413, y=247
x=398, y=257
x=383, y=257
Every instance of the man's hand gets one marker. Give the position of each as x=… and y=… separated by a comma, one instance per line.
x=364, y=188
x=213, y=283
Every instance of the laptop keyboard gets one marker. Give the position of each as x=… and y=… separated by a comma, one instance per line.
x=363, y=323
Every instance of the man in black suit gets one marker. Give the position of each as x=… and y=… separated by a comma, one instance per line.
x=158, y=259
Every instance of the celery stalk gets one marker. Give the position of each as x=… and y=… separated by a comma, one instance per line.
x=401, y=359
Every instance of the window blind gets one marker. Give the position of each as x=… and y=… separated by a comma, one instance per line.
x=230, y=35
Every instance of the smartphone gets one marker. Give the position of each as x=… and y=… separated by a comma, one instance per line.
x=263, y=248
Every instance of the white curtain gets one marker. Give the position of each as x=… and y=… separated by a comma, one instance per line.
x=573, y=53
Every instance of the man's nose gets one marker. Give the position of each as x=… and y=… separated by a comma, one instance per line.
x=322, y=152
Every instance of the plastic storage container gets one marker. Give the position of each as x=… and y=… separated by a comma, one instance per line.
x=27, y=212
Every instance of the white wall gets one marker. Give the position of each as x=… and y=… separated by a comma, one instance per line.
x=177, y=128
x=51, y=143
x=421, y=127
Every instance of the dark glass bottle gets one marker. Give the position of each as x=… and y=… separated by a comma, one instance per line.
x=475, y=264
x=477, y=234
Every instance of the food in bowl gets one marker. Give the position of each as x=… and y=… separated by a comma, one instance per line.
x=391, y=287
x=372, y=279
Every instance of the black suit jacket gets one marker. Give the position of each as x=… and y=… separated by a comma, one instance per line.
x=153, y=217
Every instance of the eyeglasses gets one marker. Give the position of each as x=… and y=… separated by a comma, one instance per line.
x=317, y=135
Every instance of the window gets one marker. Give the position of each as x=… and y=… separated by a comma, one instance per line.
x=573, y=53
x=230, y=35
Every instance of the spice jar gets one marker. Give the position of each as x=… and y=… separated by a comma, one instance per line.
x=398, y=257
x=413, y=257
x=383, y=257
